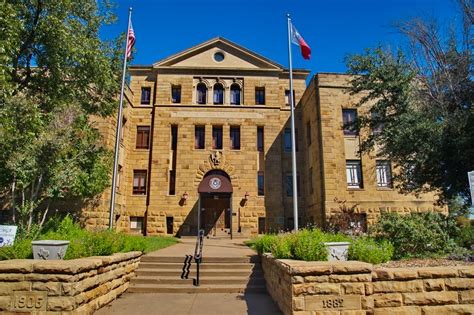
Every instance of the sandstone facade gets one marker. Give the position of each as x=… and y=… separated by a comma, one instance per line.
x=172, y=158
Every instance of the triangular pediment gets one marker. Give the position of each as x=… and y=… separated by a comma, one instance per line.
x=204, y=56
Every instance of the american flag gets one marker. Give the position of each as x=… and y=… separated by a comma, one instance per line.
x=130, y=41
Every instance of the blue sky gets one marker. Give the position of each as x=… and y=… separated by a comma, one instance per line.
x=332, y=28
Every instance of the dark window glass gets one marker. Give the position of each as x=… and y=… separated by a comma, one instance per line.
x=349, y=118
x=176, y=94
x=287, y=98
x=146, y=95
x=260, y=139
x=260, y=96
x=172, y=190
x=201, y=93
x=289, y=185
x=139, y=182
x=218, y=94
x=354, y=174
x=169, y=225
x=174, y=137
x=199, y=137
x=235, y=137
x=235, y=94
x=143, y=137
x=287, y=139
x=261, y=183
x=217, y=137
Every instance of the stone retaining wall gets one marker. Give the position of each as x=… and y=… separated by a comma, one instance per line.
x=355, y=288
x=78, y=286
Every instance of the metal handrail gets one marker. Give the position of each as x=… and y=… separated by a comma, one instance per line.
x=198, y=254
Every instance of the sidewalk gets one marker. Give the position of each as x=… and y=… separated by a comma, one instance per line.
x=201, y=303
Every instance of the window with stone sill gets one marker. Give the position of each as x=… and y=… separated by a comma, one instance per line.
x=145, y=96
x=176, y=93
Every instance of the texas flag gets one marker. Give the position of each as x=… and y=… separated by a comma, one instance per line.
x=297, y=39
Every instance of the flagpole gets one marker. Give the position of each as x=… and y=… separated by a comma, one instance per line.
x=119, y=128
x=293, y=147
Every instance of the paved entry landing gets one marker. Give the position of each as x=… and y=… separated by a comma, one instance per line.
x=231, y=282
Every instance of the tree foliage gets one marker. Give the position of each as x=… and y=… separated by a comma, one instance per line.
x=55, y=72
x=421, y=113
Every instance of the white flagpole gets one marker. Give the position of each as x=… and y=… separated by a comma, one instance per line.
x=293, y=147
x=119, y=128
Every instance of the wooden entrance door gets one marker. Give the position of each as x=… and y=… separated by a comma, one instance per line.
x=215, y=218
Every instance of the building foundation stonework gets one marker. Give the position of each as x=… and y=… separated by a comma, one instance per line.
x=219, y=107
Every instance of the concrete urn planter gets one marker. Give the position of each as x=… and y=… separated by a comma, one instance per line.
x=337, y=251
x=49, y=249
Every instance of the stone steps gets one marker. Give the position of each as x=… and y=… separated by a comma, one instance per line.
x=159, y=274
x=204, y=266
x=209, y=288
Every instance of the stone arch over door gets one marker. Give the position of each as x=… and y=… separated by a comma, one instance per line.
x=216, y=164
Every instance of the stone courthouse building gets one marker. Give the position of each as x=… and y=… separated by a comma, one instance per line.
x=206, y=143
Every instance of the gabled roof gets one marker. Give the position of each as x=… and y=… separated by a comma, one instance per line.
x=239, y=57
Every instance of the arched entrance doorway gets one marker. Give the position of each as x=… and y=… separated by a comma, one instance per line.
x=215, y=204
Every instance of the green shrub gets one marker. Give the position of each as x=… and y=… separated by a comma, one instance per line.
x=465, y=237
x=309, y=246
x=20, y=250
x=368, y=250
x=84, y=243
x=263, y=244
x=282, y=247
x=417, y=234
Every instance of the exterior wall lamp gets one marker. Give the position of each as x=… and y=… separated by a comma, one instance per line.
x=184, y=198
x=245, y=199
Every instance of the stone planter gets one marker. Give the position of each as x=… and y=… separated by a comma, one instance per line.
x=337, y=251
x=49, y=249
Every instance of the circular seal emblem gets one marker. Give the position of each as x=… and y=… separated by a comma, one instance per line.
x=215, y=183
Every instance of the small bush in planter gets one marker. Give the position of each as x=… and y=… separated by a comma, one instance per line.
x=416, y=234
x=309, y=246
x=368, y=250
x=282, y=248
x=264, y=243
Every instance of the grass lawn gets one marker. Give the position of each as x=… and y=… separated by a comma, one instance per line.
x=158, y=242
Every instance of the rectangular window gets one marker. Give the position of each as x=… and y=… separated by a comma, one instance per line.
x=310, y=180
x=354, y=174
x=199, y=137
x=349, y=118
x=169, y=225
x=260, y=139
x=136, y=223
x=287, y=98
x=176, y=93
x=122, y=130
x=289, y=185
x=384, y=173
x=174, y=137
x=377, y=124
x=261, y=183
x=119, y=176
x=146, y=96
x=143, y=137
x=235, y=137
x=259, y=96
x=308, y=132
x=217, y=137
x=287, y=139
x=172, y=188
x=139, y=182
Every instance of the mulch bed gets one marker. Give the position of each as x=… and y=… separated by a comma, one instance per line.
x=429, y=262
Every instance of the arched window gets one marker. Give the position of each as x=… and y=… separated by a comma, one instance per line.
x=201, y=93
x=218, y=94
x=235, y=94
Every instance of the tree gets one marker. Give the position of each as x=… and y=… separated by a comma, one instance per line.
x=421, y=107
x=55, y=72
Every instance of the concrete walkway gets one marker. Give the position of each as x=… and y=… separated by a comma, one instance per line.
x=195, y=303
